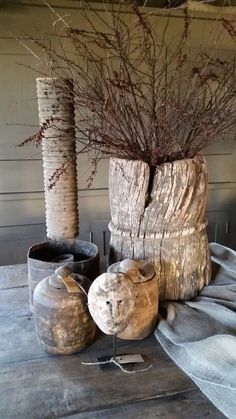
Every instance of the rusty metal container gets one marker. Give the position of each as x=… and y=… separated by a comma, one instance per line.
x=62, y=320
x=44, y=258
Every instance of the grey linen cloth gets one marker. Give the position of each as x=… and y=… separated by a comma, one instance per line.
x=200, y=335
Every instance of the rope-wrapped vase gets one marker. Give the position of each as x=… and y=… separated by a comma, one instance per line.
x=158, y=214
x=56, y=115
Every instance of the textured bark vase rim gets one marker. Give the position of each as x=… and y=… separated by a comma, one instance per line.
x=197, y=157
x=162, y=233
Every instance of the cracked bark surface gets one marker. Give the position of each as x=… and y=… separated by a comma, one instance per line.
x=164, y=224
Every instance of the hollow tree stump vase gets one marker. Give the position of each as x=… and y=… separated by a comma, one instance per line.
x=159, y=215
x=55, y=104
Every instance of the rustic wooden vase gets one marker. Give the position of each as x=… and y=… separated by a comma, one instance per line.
x=144, y=317
x=111, y=302
x=62, y=320
x=56, y=115
x=158, y=214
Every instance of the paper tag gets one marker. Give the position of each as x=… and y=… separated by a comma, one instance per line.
x=71, y=285
x=128, y=359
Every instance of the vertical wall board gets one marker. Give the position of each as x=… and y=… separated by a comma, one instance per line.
x=221, y=196
x=21, y=209
x=15, y=242
x=21, y=176
x=22, y=221
x=84, y=170
x=18, y=104
x=221, y=168
x=218, y=227
x=101, y=236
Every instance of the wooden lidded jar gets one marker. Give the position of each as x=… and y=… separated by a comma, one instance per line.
x=145, y=282
x=62, y=320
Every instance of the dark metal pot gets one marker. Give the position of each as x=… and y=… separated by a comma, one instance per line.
x=42, y=256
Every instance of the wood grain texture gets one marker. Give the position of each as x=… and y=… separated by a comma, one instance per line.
x=162, y=219
x=13, y=276
x=189, y=404
x=62, y=319
x=35, y=385
x=144, y=317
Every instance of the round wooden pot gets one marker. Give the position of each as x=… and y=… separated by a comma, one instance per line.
x=144, y=317
x=62, y=320
x=159, y=215
x=111, y=301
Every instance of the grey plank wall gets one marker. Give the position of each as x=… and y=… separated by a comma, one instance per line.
x=22, y=221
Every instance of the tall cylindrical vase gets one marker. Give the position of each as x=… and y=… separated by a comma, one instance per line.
x=56, y=115
x=158, y=214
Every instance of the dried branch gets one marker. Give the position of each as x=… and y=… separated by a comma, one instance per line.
x=137, y=94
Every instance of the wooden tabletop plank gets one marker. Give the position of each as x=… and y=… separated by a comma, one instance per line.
x=186, y=405
x=14, y=302
x=13, y=276
x=18, y=340
x=58, y=386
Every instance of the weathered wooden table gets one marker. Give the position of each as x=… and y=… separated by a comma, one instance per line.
x=36, y=385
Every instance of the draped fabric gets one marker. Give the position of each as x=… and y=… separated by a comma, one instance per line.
x=200, y=335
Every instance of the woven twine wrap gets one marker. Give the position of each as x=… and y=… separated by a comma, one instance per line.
x=55, y=100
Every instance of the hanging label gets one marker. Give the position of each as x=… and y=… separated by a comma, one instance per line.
x=129, y=359
x=71, y=285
